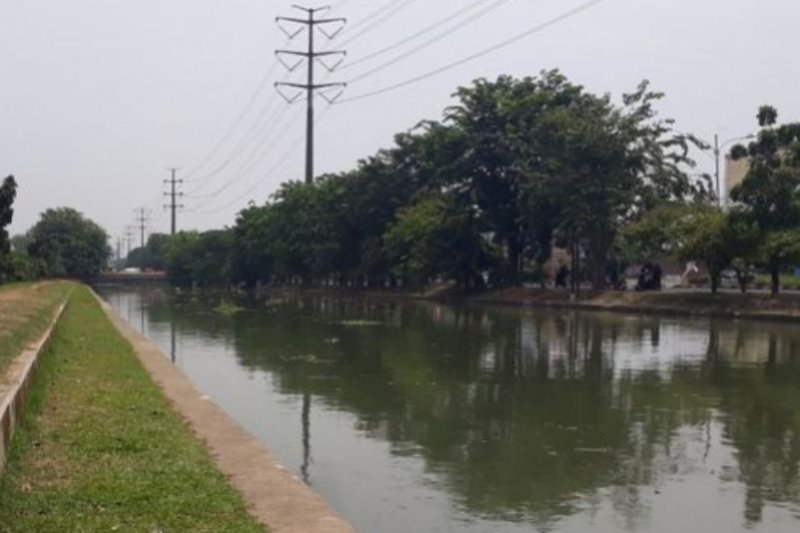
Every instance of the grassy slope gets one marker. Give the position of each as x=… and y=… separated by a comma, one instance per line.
x=103, y=451
x=25, y=312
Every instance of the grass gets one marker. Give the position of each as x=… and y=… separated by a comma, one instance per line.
x=788, y=281
x=26, y=310
x=102, y=450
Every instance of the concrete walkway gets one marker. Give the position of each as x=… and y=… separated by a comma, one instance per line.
x=276, y=497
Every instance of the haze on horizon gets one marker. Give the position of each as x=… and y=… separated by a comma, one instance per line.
x=98, y=97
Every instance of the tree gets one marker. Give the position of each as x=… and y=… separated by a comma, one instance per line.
x=153, y=256
x=770, y=191
x=69, y=244
x=8, y=193
x=434, y=238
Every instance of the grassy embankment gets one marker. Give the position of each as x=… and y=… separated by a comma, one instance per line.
x=103, y=451
x=26, y=310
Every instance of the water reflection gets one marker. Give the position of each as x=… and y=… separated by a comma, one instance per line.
x=516, y=420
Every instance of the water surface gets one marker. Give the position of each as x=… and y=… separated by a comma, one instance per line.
x=423, y=417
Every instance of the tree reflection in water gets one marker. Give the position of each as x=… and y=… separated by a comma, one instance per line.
x=534, y=415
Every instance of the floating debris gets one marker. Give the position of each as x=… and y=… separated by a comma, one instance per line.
x=360, y=323
x=593, y=450
x=228, y=308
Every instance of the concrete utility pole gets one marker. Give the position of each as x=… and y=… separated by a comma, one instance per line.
x=716, y=169
x=173, y=194
x=119, y=254
x=141, y=221
x=310, y=57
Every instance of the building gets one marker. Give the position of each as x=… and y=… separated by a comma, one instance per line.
x=735, y=172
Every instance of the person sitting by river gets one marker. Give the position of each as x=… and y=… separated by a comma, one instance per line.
x=561, y=277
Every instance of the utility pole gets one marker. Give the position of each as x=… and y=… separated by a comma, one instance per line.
x=173, y=194
x=119, y=256
x=716, y=170
x=141, y=221
x=310, y=57
x=129, y=238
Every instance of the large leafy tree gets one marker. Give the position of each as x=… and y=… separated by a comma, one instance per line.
x=68, y=244
x=770, y=192
x=589, y=166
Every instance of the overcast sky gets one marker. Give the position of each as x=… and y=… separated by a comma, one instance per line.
x=98, y=97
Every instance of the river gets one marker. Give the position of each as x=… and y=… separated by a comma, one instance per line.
x=424, y=417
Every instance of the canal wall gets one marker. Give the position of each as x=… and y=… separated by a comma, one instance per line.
x=275, y=496
x=16, y=382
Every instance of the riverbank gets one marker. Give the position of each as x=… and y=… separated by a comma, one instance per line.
x=101, y=448
x=785, y=307
x=679, y=302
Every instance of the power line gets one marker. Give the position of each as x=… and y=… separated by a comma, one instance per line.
x=249, y=165
x=272, y=169
x=413, y=36
x=536, y=29
x=367, y=29
x=237, y=121
x=488, y=9
x=270, y=113
x=372, y=15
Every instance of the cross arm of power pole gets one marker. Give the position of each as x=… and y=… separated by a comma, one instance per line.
x=306, y=86
x=306, y=21
x=311, y=56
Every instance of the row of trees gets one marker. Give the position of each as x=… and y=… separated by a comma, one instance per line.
x=515, y=167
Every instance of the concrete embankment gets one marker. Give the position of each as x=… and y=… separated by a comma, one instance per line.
x=16, y=381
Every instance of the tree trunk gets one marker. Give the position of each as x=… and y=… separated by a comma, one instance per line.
x=599, y=244
x=741, y=277
x=714, y=282
x=574, y=276
x=776, y=281
x=514, y=259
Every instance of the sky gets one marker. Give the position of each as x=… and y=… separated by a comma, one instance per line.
x=99, y=97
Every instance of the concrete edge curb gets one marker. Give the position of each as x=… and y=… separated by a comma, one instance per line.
x=274, y=496
x=17, y=381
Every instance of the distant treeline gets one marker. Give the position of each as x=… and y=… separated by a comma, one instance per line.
x=516, y=167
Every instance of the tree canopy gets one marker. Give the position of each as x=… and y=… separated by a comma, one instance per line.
x=514, y=166
x=68, y=244
x=770, y=192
